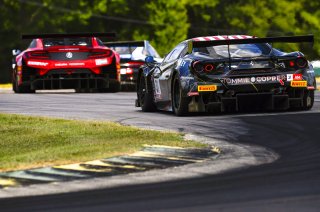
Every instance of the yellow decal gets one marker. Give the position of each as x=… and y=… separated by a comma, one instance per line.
x=298, y=83
x=202, y=88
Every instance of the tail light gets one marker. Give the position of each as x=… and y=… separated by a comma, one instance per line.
x=135, y=63
x=38, y=55
x=301, y=62
x=100, y=53
x=298, y=63
x=126, y=71
x=206, y=68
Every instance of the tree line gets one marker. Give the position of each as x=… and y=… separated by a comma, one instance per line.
x=163, y=22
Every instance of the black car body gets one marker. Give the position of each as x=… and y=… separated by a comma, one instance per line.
x=132, y=56
x=227, y=73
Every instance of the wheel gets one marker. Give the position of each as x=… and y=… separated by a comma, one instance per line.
x=145, y=97
x=21, y=88
x=14, y=83
x=179, y=103
x=308, y=99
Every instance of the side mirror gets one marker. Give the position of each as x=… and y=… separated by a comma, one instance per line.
x=15, y=52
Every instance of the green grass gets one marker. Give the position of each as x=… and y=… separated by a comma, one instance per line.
x=28, y=142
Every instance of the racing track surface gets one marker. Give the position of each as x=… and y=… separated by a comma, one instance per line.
x=291, y=183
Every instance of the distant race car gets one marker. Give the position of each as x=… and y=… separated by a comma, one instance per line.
x=66, y=61
x=132, y=56
x=227, y=73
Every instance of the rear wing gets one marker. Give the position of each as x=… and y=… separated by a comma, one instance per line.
x=286, y=39
x=126, y=43
x=70, y=35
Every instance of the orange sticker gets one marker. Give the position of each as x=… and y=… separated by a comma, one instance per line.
x=202, y=88
x=298, y=83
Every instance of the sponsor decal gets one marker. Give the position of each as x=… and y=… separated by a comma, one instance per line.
x=289, y=77
x=37, y=63
x=101, y=62
x=61, y=64
x=203, y=88
x=186, y=78
x=76, y=64
x=69, y=55
x=194, y=93
x=298, y=84
x=249, y=80
x=69, y=49
x=157, y=86
x=281, y=82
x=297, y=77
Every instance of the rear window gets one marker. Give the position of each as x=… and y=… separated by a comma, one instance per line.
x=237, y=50
x=48, y=42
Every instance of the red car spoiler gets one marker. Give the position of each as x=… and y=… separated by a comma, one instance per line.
x=70, y=35
x=286, y=39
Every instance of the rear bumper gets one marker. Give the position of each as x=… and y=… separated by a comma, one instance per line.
x=69, y=79
x=77, y=81
x=247, y=102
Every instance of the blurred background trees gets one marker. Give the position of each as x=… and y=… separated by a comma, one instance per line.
x=163, y=22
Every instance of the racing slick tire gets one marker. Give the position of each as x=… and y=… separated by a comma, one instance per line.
x=21, y=88
x=180, y=104
x=145, y=96
x=308, y=99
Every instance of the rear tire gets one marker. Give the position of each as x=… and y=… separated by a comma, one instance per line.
x=180, y=104
x=145, y=96
x=308, y=99
x=21, y=88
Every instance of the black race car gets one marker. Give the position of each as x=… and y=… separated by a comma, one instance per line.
x=132, y=56
x=227, y=73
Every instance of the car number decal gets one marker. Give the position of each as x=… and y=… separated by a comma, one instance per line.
x=203, y=88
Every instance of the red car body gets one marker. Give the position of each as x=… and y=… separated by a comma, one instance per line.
x=67, y=61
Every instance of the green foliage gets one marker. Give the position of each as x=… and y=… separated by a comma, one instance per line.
x=164, y=22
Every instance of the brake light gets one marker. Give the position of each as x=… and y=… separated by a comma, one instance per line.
x=126, y=71
x=301, y=62
x=135, y=63
x=298, y=63
x=291, y=63
x=129, y=71
x=38, y=55
x=100, y=53
x=209, y=68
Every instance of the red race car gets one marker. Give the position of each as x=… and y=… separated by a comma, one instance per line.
x=66, y=61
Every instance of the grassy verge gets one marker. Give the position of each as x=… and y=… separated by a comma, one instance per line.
x=27, y=142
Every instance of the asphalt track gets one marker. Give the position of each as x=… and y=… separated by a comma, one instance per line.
x=290, y=183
